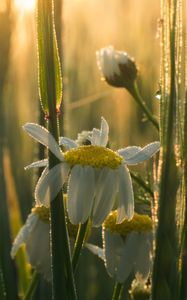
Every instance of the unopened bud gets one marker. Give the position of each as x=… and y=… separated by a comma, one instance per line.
x=117, y=67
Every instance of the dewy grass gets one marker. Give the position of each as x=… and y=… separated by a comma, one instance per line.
x=165, y=270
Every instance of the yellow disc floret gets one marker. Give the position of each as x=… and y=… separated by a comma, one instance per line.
x=139, y=223
x=94, y=156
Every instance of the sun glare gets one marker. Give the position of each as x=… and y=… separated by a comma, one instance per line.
x=24, y=5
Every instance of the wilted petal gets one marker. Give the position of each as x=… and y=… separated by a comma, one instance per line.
x=95, y=250
x=80, y=193
x=43, y=136
x=68, y=143
x=24, y=233
x=126, y=195
x=106, y=189
x=37, y=164
x=50, y=184
x=145, y=153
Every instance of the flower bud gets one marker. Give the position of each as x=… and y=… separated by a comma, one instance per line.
x=117, y=67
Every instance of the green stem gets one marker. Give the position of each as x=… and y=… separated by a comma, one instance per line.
x=32, y=287
x=138, y=98
x=117, y=291
x=82, y=231
x=62, y=276
x=142, y=183
x=183, y=287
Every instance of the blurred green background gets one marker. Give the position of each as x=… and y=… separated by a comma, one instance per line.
x=87, y=26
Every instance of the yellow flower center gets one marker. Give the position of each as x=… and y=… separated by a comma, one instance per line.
x=43, y=214
x=94, y=156
x=139, y=223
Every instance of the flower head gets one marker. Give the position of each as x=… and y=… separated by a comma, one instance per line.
x=95, y=173
x=127, y=247
x=36, y=237
x=117, y=67
x=36, y=232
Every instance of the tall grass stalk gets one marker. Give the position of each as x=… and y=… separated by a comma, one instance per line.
x=6, y=264
x=183, y=286
x=165, y=283
x=62, y=275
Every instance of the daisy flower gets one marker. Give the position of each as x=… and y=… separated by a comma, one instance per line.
x=35, y=234
x=96, y=174
x=126, y=247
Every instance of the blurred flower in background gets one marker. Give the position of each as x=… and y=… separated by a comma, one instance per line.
x=117, y=67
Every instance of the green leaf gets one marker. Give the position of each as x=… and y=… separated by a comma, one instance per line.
x=49, y=63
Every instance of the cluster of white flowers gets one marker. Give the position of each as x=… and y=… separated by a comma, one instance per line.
x=98, y=180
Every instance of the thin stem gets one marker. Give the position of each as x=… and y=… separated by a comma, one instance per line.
x=138, y=98
x=32, y=287
x=82, y=231
x=142, y=183
x=117, y=291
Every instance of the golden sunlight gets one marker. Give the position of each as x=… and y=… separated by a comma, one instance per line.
x=24, y=5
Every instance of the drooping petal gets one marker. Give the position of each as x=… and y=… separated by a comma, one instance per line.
x=50, y=184
x=128, y=256
x=38, y=249
x=37, y=164
x=113, y=246
x=68, y=143
x=106, y=189
x=128, y=152
x=24, y=233
x=104, y=133
x=145, y=153
x=142, y=263
x=95, y=250
x=126, y=195
x=80, y=193
x=43, y=136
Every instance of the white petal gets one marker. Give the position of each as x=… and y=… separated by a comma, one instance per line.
x=95, y=250
x=142, y=264
x=50, y=183
x=80, y=193
x=37, y=164
x=145, y=153
x=68, y=143
x=43, y=136
x=39, y=256
x=106, y=189
x=128, y=257
x=104, y=132
x=128, y=152
x=126, y=195
x=95, y=138
x=113, y=247
x=24, y=233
